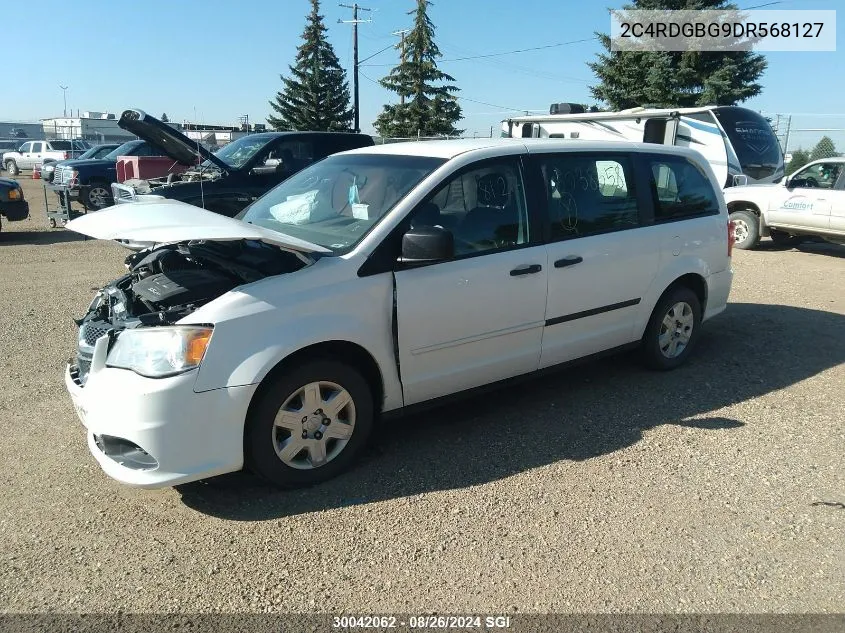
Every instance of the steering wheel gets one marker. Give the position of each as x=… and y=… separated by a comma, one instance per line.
x=811, y=182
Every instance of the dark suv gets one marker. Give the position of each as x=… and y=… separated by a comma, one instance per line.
x=231, y=178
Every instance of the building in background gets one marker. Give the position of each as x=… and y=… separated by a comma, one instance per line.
x=91, y=126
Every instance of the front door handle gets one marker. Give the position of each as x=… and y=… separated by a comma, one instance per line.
x=568, y=261
x=526, y=270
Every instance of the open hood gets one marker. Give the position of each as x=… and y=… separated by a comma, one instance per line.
x=173, y=221
x=171, y=141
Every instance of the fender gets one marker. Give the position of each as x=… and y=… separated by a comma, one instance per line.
x=261, y=324
x=670, y=271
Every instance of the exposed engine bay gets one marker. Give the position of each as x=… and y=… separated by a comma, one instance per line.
x=194, y=174
x=167, y=283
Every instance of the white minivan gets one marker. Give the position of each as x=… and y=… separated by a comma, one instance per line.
x=383, y=279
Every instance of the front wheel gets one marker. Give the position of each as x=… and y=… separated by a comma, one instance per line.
x=746, y=229
x=309, y=425
x=12, y=168
x=96, y=197
x=672, y=330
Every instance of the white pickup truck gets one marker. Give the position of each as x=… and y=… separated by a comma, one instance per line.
x=32, y=153
x=809, y=203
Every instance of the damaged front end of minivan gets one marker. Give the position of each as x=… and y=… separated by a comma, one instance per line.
x=166, y=284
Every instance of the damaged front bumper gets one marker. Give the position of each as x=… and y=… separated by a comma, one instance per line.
x=158, y=432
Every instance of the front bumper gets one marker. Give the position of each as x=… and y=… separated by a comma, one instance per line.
x=15, y=210
x=184, y=435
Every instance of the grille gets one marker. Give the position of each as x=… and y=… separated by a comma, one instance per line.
x=61, y=176
x=93, y=332
x=122, y=193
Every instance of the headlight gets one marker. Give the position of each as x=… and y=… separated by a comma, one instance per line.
x=15, y=194
x=157, y=352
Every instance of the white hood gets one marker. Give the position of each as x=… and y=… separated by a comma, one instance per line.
x=174, y=221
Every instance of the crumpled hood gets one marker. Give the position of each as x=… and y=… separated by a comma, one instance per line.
x=174, y=221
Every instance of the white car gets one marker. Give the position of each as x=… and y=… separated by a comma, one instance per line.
x=381, y=279
x=811, y=202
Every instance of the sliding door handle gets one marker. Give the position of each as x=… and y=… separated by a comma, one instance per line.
x=568, y=261
x=526, y=270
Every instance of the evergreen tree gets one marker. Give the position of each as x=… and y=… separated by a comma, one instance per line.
x=429, y=106
x=824, y=149
x=800, y=157
x=164, y=118
x=675, y=79
x=316, y=94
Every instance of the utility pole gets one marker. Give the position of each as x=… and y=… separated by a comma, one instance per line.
x=354, y=22
x=402, y=44
x=788, y=128
x=64, y=96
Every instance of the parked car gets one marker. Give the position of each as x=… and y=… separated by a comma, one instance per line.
x=90, y=180
x=13, y=207
x=383, y=279
x=98, y=151
x=33, y=153
x=810, y=203
x=228, y=180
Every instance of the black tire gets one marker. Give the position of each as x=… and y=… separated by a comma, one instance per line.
x=96, y=196
x=650, y=349
x=12, y=168
x=784, y=239
x=261, y=434
x=747, y=227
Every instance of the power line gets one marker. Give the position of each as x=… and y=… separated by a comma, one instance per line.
x=514, y=52
x=462, y=98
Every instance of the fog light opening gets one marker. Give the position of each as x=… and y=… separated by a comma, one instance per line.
x=125, y=453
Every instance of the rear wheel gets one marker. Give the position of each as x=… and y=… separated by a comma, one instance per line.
x=12, y=168
x=782, y=238
x=746, y=229
x=309, y=424
x=672, y=330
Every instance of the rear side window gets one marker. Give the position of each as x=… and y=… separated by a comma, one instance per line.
x=588, y=194
x=680, y=189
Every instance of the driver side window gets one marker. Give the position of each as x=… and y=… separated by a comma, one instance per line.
x=818, y=176
x=484, y=208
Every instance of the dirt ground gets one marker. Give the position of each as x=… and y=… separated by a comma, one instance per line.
x=719, y=487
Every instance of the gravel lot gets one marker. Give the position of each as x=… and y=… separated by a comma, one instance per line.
x=717, y=487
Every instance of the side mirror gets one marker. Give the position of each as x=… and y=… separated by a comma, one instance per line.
x=740, y=180
x=264, y=170
x=427, y=244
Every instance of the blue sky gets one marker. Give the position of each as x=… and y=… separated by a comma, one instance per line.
x=221, y=59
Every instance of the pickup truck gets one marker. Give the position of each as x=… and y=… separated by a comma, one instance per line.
x=230, y=179
x=12, y=204
x=33, y=153
x=90, y=180
x=809, y=203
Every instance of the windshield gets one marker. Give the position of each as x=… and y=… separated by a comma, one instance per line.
x=333, y=203
x=123, y=150
x=98, y=151
x=237, y=153
x=754, y=142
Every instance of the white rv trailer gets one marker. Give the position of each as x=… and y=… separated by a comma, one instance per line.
x=735, y=141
